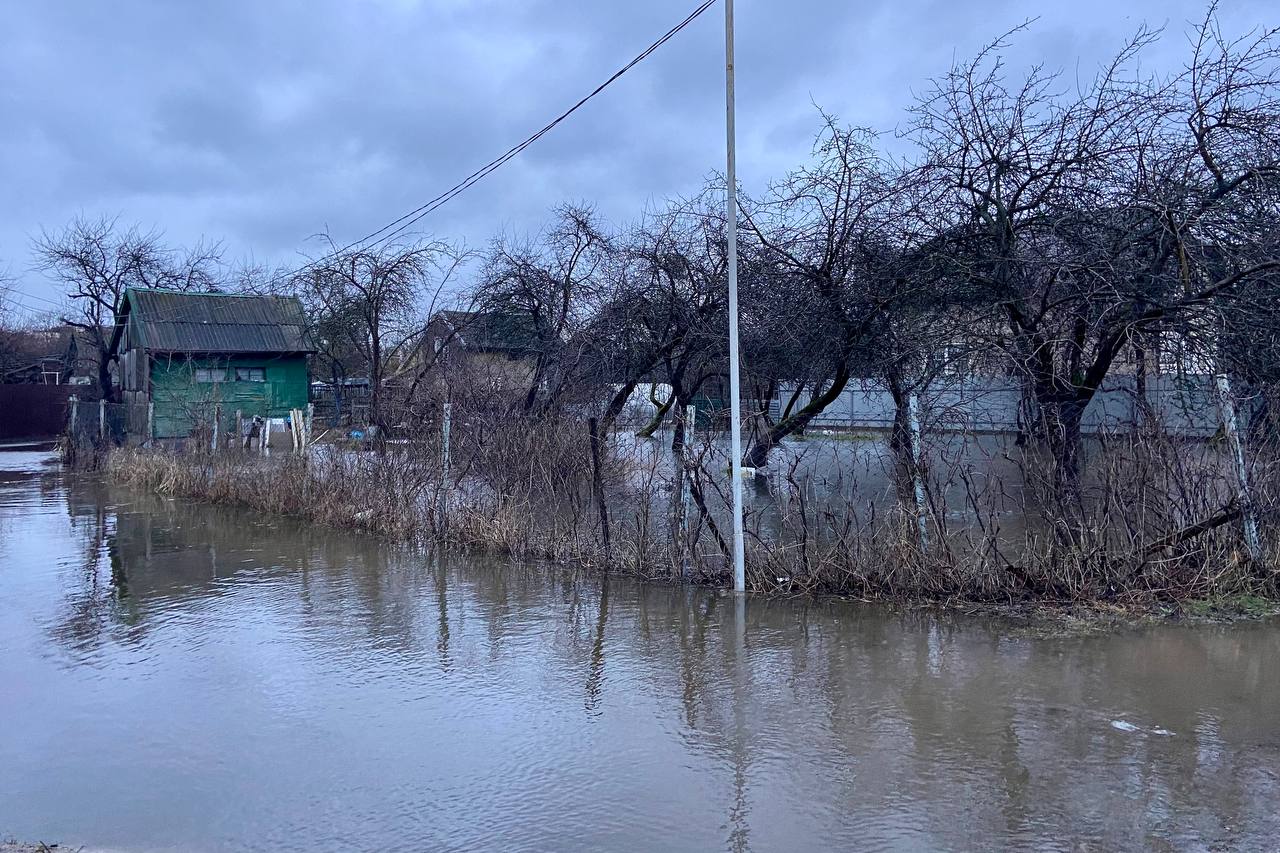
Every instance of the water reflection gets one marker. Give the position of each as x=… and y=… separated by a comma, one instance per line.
x=197, y=677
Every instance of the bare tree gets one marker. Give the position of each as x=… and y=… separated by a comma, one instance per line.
x=825, y=233
x=96, y=260
x=546, y=290
x=662, y=316
x=370, y=307
x=1094, y=222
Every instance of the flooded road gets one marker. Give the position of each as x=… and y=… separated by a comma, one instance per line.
x=181, y=677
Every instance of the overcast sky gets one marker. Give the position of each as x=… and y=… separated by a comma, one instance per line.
x=261, y=123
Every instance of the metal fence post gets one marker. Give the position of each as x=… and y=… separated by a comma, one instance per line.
x=917, y=472
x=1252, y=539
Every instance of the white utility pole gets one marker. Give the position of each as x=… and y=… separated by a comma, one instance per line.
x=731, y=229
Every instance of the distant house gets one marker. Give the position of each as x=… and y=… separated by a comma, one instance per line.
x=492, y=349
x=45, y=356
x=491, y=334
x=189, y=353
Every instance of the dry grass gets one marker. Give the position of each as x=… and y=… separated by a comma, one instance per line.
x=527, y=491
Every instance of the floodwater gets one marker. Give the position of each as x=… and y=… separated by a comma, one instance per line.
x=182, y=677
x=970, y=475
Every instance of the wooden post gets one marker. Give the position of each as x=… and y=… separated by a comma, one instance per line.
x=239, y=442
x=217, y=416
x=151, y=422
x=917, y=471
x=1252, y=539
x=264, y=435
x=75, y=410
x=102, y=420
x=311, y=415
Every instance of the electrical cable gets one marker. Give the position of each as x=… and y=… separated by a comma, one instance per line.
x=398, y=226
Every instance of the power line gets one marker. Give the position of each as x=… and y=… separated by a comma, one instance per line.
x=17, y=303
x=398, y=226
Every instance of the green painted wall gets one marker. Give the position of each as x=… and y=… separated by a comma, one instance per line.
x=181, y=401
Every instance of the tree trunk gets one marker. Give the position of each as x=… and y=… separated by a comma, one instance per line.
x=1062, y=422
x=1146, y=416
x=337, y=394
x=616, y=404
x=375, y=385
x=656, y=421
x=758, y=456
x=900, y=440
x=104, y=376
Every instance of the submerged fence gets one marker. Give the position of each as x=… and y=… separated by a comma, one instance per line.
x=1186, y=406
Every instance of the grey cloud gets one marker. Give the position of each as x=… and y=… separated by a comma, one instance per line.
x=264, y=123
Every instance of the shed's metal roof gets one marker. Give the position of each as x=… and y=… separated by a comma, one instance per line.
x=169, y=321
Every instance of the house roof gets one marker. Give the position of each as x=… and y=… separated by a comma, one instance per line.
x=492, y=331
x=170, y=321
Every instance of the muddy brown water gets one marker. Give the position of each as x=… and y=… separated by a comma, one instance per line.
x=183, y=677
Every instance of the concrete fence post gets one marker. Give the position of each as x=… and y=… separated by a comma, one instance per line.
x=102, y=419
x=239, y=443
x=151, y=423
x=1230, y=423
x=686, y=484
x=446, y=463
x=217, y=417
x=74, y=402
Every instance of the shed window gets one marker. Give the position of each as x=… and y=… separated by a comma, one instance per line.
x=251, y=374
x=211, y=374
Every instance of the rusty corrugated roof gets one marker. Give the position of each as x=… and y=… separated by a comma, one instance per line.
x=169, y=321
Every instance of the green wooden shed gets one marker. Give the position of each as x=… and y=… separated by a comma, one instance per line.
x=191, y=354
